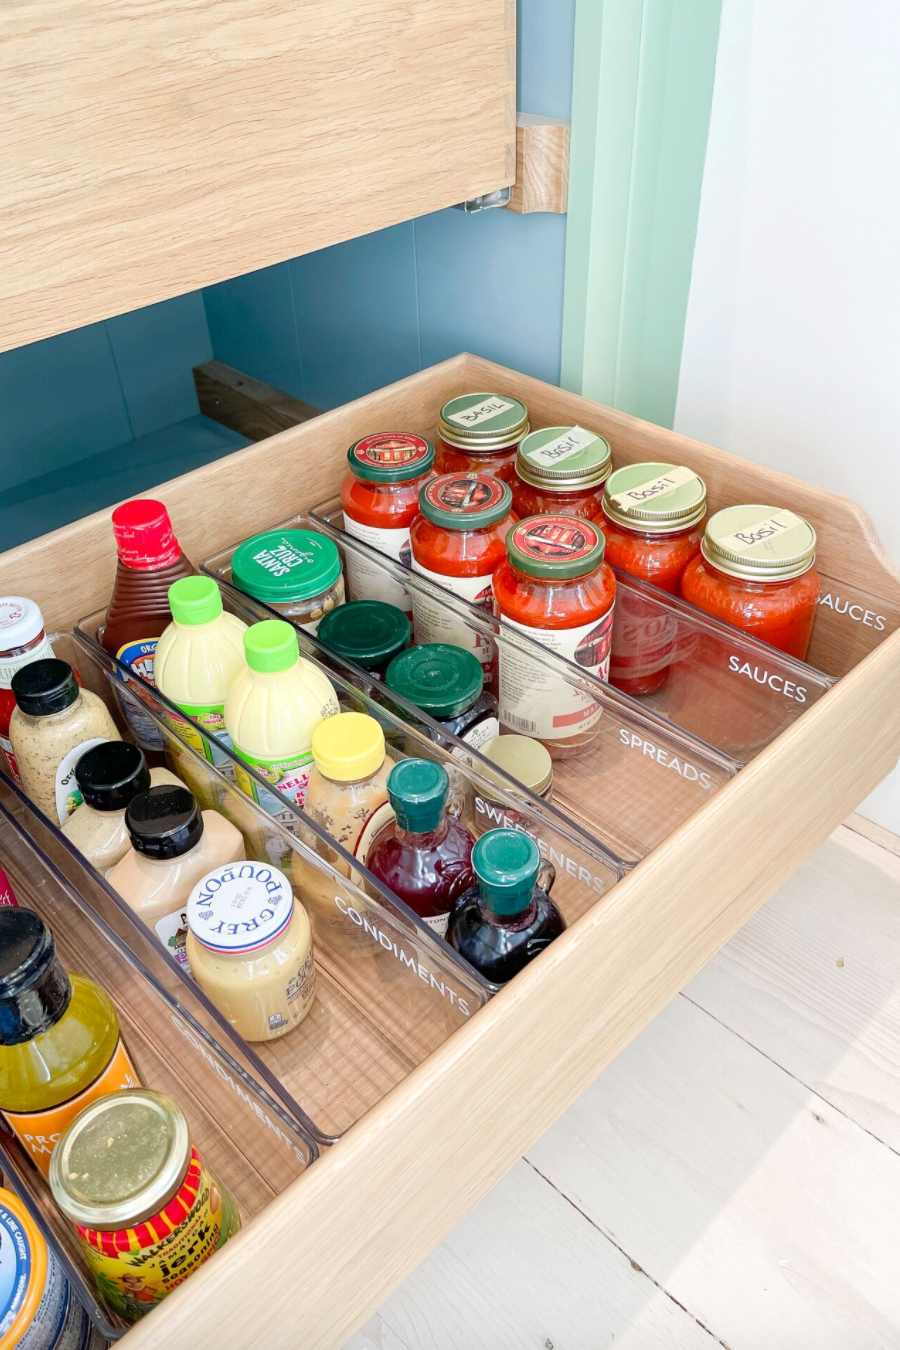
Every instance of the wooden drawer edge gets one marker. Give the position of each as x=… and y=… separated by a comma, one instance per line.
x=330, y=1249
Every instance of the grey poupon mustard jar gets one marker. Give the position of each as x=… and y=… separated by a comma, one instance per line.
x=560, y=470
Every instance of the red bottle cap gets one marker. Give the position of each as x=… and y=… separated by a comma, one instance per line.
x=7, y=895
x=144, y=535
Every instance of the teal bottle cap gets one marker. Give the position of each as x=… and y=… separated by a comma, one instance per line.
x=390, y=457
x=285, y=565
x=465, y=501
x=555, y=546
x=506, y=864
x=440, y=679
x=368, y=632
x=418, y=789
x=194, y=600
x=271, y=646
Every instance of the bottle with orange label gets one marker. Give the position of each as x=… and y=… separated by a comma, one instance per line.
x=60, y=1046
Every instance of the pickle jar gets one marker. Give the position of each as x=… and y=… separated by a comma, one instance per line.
x=296, y=572
x=480, y=433
x=559, y=470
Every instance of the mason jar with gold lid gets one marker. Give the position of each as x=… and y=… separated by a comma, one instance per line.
x=479, y=431
x=560, y=469
x=526, y=761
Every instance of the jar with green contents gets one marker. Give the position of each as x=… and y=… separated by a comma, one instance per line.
x=296, y=572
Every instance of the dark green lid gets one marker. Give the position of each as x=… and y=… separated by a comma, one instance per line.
x=368, y=632
x=440, y=679
x=418, y=791
x=390, y=457
x=286, y=565
x=555, y=546
x=465, y=501
x=506, y=864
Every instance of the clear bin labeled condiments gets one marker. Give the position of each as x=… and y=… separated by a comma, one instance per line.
x=22, y=640
x=447, y=683
x=556, y=588
x=109, y=777
x=380, y=500
x=559, y=470
x=297, y=572
x=480, y=432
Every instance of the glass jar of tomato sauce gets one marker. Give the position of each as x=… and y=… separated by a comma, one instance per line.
x=480, y=433
x=653, y=521
x=556, y=587
x=380, y=498
x=559, y=470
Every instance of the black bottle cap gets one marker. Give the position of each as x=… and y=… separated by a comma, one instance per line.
x=111, y=775
x=34, y=989
x=45, y=687
x=164, y=822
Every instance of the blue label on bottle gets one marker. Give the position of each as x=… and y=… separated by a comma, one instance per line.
x=139, y=656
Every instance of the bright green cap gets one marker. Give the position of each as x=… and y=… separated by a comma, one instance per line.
x=506, y=864
x=195, y=600
x=418, y=791
x=271, y=646
x=285, y=565
x=440, y=679
x=369, y=632
x=555, y=546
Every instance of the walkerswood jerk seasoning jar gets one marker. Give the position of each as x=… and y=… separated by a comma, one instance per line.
x=556, y=587
x=480, y=432
x=559, y=469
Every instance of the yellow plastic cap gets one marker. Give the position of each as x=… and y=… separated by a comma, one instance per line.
x=348, y=746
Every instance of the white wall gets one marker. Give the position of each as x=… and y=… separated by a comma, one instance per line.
x=792, y=344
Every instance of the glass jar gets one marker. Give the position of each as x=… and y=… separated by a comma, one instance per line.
x=368, y=632
x=559, y=470
x=653, y=521
x=380, y=498
x=447, y=683
x=480, y=433
x=526, y=761
x=22, y=639
x=556, y=588
x=296, y=572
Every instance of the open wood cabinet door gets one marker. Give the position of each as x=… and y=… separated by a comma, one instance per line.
x=151, y=147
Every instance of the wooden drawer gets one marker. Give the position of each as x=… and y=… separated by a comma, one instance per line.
x=327, y=1251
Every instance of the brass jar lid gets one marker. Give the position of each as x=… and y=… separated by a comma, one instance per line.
x=655, y=498
x=524, y=759
x=764, y=543
x=483, y=421
x=560, y=458
x=121, y=1159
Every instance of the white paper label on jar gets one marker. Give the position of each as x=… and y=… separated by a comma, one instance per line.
x=435, y=621
x=655, y=487
x=763, y=531
x=482, y=733
x=438, y=923
x=68, y=795
x=480, y=412
x=537, y=702
x=571, y=442
x=369, y=581
x=172, y=931
x=15, y=663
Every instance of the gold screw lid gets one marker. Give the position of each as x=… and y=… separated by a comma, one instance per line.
x=483, y=421
x=121, y=1159
x=560, y=458
x=655, y=498
x=765, y=543
x=525, y=760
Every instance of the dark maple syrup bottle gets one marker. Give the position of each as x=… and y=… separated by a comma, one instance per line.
x=507, y=918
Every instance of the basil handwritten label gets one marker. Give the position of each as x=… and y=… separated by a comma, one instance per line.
x=763, y=532
x=571, y=442
x=654, y=488
x=480, y=412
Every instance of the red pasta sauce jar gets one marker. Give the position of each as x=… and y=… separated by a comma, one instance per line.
x=480, y=433
x=559, y=471
x=556, y=587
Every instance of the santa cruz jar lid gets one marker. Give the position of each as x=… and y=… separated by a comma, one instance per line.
x=483, y=421
x=285, y=565
x=764, y=543
x=239, y=908
x=555, y=547
x=655, y=498
x=465, y=501
x=562, y=458
x=390, y=457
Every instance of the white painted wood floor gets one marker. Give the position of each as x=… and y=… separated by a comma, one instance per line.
x=733, y=1179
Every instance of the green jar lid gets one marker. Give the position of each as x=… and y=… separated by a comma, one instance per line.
x=271, y=646
x=655, y=498
x=483, y=421
x=465, y=501
x=762, y=543
x=390, y=457
x=506, y=864
x=418, y=789
x=555, y=546
x=563, y=458
x=440, y=679
x=285, y=565
x=194, y=600
x=368, y=632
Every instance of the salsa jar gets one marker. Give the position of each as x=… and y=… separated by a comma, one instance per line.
x=458, y=542
x=555, y=587
x=480, y=433
x=653, y=518
x=296, y=572
x=559, y=470
x=380, y=499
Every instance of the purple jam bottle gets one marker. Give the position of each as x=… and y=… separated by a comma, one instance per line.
x=425, y=854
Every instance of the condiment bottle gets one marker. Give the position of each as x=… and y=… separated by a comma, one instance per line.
x=7, y=894
x=480, y=433
x=146, y=1207
x=250, y=949
x=296, y=572
x=368, y=632
x=508, y=917
x=109, y=776
x=60, y=1046
x=555, y=587
x=380, y=500
x=54, y=723
x=424, y=855
x=173, y=845
x=22, y=640
x=448, y=684
x=150, y=559
x=347, y=793
x=271, y=710
x=559, y=470
x=529, y=763
x=458, y=542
